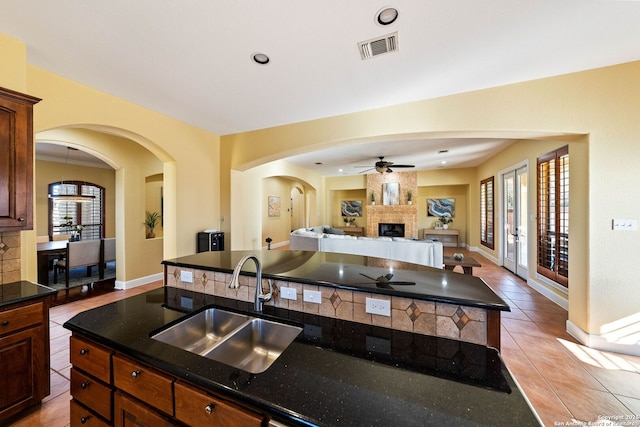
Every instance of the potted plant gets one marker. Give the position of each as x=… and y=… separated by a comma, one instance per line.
x=150, y=222
x=409, y=198
x=373, y=198
x=445, y=221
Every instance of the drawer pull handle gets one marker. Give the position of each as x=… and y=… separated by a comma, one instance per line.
x=21, y=219
x=84, y=420
x=5, y=322
x=84, y=351
x=209, y=408
x=84, y=385
x=135, y=374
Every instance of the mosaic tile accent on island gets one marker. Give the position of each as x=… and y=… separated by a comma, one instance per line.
x=10, y=263
x=462, y=323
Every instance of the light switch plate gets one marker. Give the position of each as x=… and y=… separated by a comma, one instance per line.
x=378, y=306
x=186, y=276
x=288, y=293
x=312, y=296
x=625, y=224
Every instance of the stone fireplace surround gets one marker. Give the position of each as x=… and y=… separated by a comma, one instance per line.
x=400, y=214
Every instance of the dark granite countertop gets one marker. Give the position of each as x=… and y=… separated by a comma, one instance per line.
x=16, y=292
x=334, y=373
x=346, y=271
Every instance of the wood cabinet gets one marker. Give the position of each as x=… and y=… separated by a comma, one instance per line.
x=91, y=387
x=109, y=388
x=24, y=352
x=442, y=235
x=144, y=383
x=16, y=161
x=129, y=412
x=198, y=408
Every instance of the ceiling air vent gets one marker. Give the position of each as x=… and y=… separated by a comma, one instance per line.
x=378, y=46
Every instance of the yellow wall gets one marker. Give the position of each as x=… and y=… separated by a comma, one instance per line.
x=188, y=157
x=248, y=203
x=276, y=227
x=600, y=103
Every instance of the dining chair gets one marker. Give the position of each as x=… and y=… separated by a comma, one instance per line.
x=108, y=254
x=85, y=253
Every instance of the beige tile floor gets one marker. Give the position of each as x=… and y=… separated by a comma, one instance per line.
x=564, y=381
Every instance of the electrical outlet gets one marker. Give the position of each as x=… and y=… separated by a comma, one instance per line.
x=312, y=296
x=186, y=276
x=288, y=293
x=378, y=306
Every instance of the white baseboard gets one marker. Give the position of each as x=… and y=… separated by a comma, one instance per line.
x=138, y=282
x=598, y=342
x=549, y=294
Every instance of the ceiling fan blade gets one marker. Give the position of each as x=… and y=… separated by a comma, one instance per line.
x=366, y=170
x=404, y=166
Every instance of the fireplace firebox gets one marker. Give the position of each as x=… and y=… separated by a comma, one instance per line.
x=387, y=229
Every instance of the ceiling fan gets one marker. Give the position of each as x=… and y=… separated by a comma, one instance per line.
x=383, y=166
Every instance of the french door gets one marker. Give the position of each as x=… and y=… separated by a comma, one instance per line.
x=514, y=217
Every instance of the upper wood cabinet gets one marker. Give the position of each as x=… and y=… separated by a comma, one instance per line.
x=16, y=160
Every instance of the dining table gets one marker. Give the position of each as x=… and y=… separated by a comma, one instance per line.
x=46, y=252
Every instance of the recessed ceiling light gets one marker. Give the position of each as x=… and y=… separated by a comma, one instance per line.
x=260, y=58
x=444, y=162
x=387, y=15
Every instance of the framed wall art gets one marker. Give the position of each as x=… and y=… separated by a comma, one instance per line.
x=274, y=206
x=391, y=193
x=441, y=207
x=351, y=208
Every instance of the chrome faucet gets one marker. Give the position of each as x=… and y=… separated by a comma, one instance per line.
x=235, y=284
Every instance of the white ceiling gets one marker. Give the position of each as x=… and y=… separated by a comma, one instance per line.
x=190, y=59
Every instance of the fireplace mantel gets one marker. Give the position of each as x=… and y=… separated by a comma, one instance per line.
x=405, y=214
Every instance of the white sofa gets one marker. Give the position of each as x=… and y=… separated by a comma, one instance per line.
x=423, y=252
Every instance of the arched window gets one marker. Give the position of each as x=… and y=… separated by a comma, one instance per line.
x=68, y=215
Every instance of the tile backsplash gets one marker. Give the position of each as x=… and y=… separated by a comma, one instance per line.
x=9, y=257
x=454, y=321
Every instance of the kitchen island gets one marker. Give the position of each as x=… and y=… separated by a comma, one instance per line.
x=335, y=373
x=340, y=370
x=423, y=300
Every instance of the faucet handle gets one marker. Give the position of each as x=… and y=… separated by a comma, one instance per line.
x=266, y=297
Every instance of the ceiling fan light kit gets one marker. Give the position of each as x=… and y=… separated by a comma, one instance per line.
x=383, y=166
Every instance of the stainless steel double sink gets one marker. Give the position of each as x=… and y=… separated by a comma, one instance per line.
x=242, y=341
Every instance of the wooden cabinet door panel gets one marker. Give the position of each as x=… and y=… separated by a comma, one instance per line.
x=92, y=393
x=82, y=417
x=130, y=413
x=144, y=383
x=91, y=358
x=16, y=162
x=197, y=408
x=22, y=383
x=19, y=318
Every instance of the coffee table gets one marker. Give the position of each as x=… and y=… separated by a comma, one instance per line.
x=467, y=264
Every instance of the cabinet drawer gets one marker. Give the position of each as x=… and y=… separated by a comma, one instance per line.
x=92, y=393
x=81, y=416
x=144, y=383
x=19, y=318
x=197, y=408
x=128, y=412
x=91, y=358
